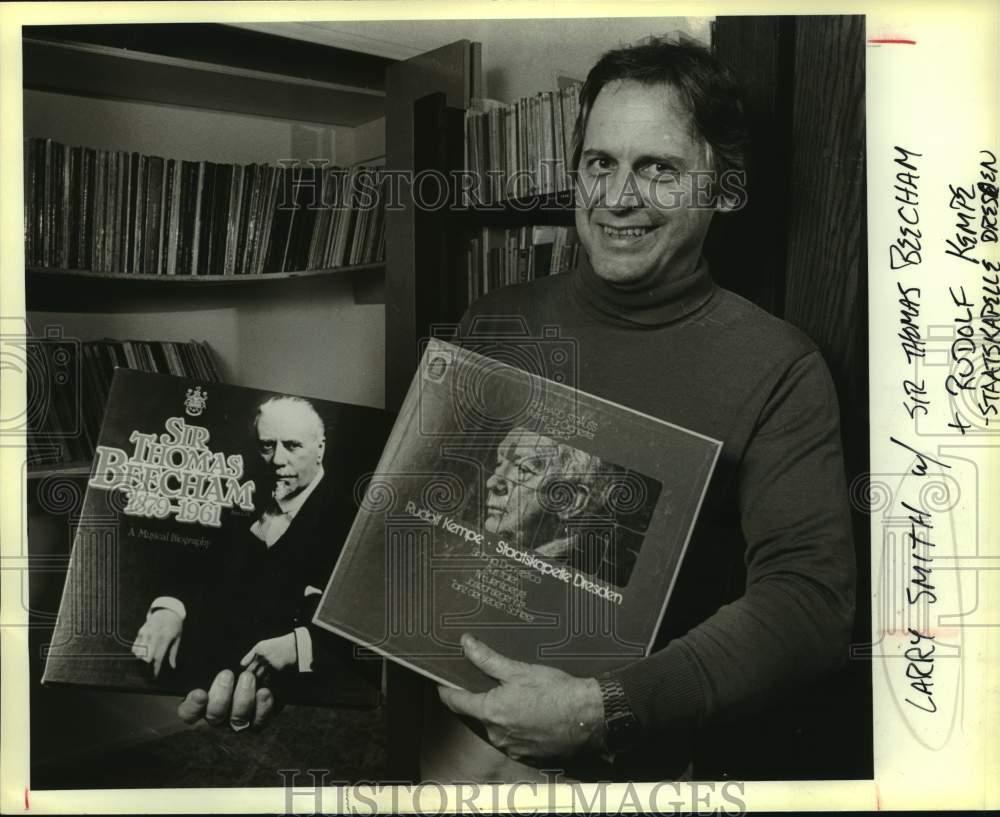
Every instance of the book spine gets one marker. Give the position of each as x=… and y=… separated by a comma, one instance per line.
x=163, y=264
x=122, y=161
x=100, y=211
x=233, y=225
x=186, y=236
x=161, y=234
x=206, y=212
x=64, y=207
x=223, y=186
x=246, y=195
x=175, y=216
x=139, y=227
x=74, y=260
x=199, y=183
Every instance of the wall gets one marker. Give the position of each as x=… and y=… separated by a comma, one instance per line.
x=363, y=144
x=257, y=330
x=520, y=57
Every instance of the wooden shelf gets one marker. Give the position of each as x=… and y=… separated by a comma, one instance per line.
x=59, y=290
x=43, y=273
x=64, y=469
x=120, y=73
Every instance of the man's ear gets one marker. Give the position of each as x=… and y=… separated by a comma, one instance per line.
x=728, y=202
x=322, y=448
x=581, y=495
x=731, y=191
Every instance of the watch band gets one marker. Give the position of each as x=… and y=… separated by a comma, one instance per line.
x=621, y=728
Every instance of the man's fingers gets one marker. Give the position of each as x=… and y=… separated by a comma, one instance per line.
x=244, y=701
x=246, y=659
x=220, y=698
x=140, y=647
x=462, y=702
x=192, y=708
x=489, y=661
x=158, y=651
x=173, y=653
x=266, y=707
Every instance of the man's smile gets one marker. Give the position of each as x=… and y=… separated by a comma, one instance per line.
x=625, y=232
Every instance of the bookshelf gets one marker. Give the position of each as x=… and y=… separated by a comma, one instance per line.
x=199, y=93
x=219, y=94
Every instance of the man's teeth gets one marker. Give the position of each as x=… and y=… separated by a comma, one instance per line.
x=625, y=232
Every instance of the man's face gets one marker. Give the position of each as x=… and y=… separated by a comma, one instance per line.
x=634, y=207
x=291, y=442
x=513, y=508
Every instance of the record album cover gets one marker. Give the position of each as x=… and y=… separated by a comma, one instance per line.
x=538, y=518
x=212, y=519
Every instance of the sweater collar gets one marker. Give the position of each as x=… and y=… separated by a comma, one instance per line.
x=640, y=304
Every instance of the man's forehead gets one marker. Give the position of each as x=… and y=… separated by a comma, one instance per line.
x=287, y=420
x=655, y=112
x=523, y=444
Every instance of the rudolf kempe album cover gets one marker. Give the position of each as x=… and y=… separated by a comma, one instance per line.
x=212, y=519
x=538, y=518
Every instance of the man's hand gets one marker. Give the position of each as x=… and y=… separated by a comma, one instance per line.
x=160, y=636
x=274, y=653
x=240, y=706
x=536, y=712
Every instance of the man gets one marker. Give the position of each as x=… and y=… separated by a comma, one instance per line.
x=259, y=614
x=764, y=601
x=654, y=333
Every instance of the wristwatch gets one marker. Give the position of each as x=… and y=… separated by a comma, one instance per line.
x=621, y=728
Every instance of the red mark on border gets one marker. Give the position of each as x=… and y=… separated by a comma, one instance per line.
x=892, y=42
x=27, y=805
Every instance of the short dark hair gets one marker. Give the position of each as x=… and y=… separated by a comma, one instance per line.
x=707, y=87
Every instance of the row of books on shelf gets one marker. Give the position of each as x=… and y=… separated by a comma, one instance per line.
x=128, y=213
x=520, y=149
x=498, y=258
x=69, y=383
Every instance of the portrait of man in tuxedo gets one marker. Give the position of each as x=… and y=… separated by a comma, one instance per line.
x=256, y=610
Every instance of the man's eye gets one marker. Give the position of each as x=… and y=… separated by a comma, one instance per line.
x=600, y=164
x=660, y=171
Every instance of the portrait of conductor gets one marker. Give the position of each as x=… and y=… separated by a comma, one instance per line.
x=764, y=601
x=552, y=498
x=256, y=619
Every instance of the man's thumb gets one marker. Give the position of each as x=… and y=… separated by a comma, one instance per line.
x=173, y=653
x=489, y=661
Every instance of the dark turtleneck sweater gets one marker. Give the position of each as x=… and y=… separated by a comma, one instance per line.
x=765, y=598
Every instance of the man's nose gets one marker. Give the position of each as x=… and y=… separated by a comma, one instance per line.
x=620, y=191
x=497, y=481
x=280, y=455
